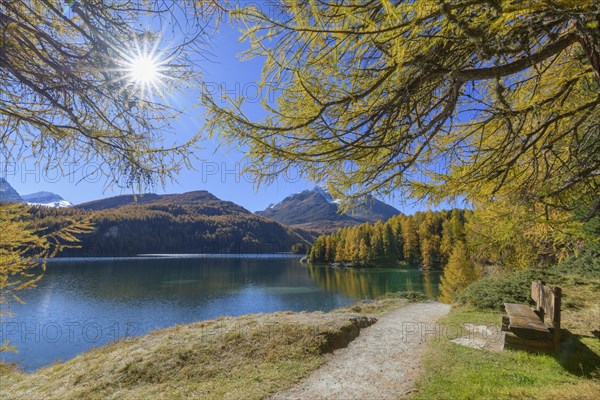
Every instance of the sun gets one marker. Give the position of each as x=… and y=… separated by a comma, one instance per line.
x=144, y=69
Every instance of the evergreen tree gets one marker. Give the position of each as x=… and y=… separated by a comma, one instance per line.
x=389, y=242
x=329, y=249
x=364, y=254
x=412, y=250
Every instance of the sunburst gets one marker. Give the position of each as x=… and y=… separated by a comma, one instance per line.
x=145, y=68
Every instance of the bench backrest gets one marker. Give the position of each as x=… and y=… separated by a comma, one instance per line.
x=547, y=300
x=547, y=303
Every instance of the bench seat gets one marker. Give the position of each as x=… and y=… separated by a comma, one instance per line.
x=525, y=328
x=525, y=323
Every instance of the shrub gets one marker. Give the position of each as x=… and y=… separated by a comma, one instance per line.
x=515, y=287
x=585, y=265
x=410, y=295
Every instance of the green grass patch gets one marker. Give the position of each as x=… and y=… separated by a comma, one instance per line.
x=453, y=371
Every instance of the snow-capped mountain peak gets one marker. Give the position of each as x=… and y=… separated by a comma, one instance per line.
x=46, y=199
x=317, y=209
x=55, y=204
x=322, y=190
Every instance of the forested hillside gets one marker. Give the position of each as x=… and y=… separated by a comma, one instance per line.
x=194, y=222
x=424, y=239
x=464, y=244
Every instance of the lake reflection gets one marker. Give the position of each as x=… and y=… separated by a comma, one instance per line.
x=80, y=304
x=373, y=282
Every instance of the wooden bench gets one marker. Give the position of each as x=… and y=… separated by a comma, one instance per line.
x=525, y=328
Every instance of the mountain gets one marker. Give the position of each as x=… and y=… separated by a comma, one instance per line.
x=46, y=199
x=199, y=202
x=316, y=209
x=8, y=194
x=113, y=202
x=193, y=222
x=304, y=207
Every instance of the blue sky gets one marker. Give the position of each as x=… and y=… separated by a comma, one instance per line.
x=219, y=170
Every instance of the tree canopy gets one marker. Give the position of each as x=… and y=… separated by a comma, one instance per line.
x=65, y=92
x=425, y=240
x=22, y=243
x=484, y=99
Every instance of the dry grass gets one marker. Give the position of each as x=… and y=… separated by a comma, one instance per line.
x=581, y=307
x=246, y=357
x=385, y=303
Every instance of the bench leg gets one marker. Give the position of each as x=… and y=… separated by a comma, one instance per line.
x=505, y=323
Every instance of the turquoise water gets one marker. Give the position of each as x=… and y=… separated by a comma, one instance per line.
x=82, y=303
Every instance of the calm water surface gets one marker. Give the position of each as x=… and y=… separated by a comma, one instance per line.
x=83, y=303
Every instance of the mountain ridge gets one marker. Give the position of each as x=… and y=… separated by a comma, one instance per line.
x=317, y=209
x=45, y=199
x=8, y=194
x=191, y=222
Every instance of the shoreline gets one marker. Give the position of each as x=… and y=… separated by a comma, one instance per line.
x=172, y=256
x=255, y=354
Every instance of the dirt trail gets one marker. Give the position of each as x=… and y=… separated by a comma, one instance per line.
x=381, y=363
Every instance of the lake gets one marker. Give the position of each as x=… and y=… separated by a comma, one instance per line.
x=82, y=303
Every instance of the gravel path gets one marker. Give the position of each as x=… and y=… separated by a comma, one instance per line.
x=381, y=363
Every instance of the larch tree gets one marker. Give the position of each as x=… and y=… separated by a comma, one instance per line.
x=339, y=251
x=364, y=255
x=458, y=274
x=71, y=90
x=513, y=236
x=378, y=244
x=435, y=98
x=411, y=245
x=22, y=244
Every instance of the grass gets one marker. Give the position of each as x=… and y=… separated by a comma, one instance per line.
x=385, y=303
x=247, y=357
x=453, y=371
